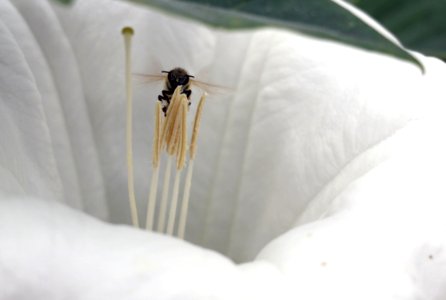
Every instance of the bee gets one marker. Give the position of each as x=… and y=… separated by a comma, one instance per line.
x=175, y=77
x=179, y=77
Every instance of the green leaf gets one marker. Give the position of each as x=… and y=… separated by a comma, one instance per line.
x=64, y=1
x=420, y=25
x=321, y=18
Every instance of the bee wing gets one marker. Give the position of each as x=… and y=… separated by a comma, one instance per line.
x=211, y=88
x=147, y=78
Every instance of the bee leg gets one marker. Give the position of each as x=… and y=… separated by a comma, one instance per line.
x=165, y=96
x=165, y=100
x=188, y=93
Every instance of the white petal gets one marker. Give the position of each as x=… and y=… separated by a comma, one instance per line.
x=52, y=65
x=26, y=152
x=53, y=252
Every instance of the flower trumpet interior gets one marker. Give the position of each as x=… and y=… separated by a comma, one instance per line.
x=324, y=168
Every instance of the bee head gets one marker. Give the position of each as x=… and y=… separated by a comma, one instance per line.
x=178, y=76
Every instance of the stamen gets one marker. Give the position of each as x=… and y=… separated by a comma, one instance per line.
x=181, y=159
x=196, y=127
x=167, y=133
x=190, y=168
x=170, y=125
x=181, y=147
x=127, y=32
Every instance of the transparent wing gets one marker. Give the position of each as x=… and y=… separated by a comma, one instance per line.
x=206, y=87
x=147, y=78
x=211, y=88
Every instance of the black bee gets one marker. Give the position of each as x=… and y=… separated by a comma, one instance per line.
x=179, y=77
x=175, y=78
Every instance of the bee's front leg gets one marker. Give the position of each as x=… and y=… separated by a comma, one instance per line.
x=187, y=93
x=165, y=100
x=165, y=96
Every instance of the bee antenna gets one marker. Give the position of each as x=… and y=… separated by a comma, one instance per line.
x=191, y=76
x=164, y=71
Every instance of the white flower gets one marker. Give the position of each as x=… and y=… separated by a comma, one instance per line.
x=323, y=172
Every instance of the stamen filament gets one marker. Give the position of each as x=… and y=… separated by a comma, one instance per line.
x=152, y=198
x=128, y=33
x=173, y=203
x=155, y=169
x=185, y=202
x=165, y=196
